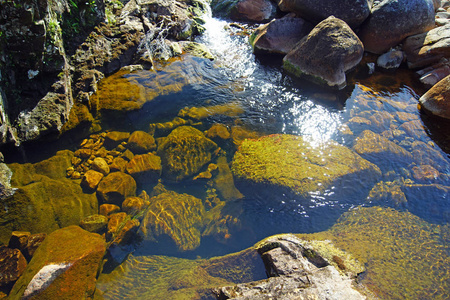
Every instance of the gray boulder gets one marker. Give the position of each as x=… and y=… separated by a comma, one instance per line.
x=428, y=48
x=390, y=60
x=296, y=271
x=253, y=11
x=280, y=35
x=326, y=53
x=353, y=12
x=393, y=20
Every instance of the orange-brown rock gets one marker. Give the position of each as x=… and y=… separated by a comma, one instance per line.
x=132, y=205
x=145, y=165
x=126, y=231
x=437, y=100
x=64, y=267
x=91, y=179
x=119, y=164
x=114, y=138
x=425, y=173
x=218, y=132
x=115, y=187
x=115, y=221
x=141, y=142
x=12, y=265
x=108, y=209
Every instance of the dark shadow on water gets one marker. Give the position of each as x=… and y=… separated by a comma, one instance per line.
x=438, y=130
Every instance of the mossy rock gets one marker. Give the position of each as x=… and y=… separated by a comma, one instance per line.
x=179, y=216
x=292, y=163
x=145, y=167
x=141, y=142
x=45, y=200
x=184, y=152
x=74, y=253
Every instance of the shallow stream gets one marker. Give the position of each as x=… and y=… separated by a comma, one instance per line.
x=253, y=94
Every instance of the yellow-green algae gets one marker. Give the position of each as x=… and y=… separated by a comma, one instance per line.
x=405, y=257
x=290, y=161
x=231, y=109
x=44, y=200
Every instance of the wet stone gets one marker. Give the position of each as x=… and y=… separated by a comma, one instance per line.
x=91, y=179
x=108, y=209
x=141, y=142
x=133, y=205
x=33, y=243
x=115, y=221
x=100, y=165
x=118, y=165
x=94, y=223
x=12, y=265
x=145, y=166
x=115, y=138
x=115, y=187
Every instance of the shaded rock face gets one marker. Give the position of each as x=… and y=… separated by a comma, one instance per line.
x=326, y=53
x=428, y=48
x=178, y=216
x=295, y=272
x=63, y=267
x=437, y=100
x=184, y=152
x=45, y=200
x=253, y=11
x=353, y=12
x=393, y=20
x=289, y=162
x=280, y=35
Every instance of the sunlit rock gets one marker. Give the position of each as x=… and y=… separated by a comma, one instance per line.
x=99, y=164
x=12, y=265
x=380, y=150
x=108, y=209
x=258, y=11
x=351, y=12
x=326, y=53
x=292, y=163
x=393, y=20
x=115, y=187
x=296, y=270
x=387, y=192
x=79, y=251
x=436, y=100
x=184, y=152
x=141, y=142
x=91, y=179
x=179, y=216
x=428, y=48
x=390, y=60
x=94, y=223
x=196, y=49
x=144, y=167
x=44, y=200
x=280, y=35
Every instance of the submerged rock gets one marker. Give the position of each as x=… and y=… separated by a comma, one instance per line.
x=184, y=152
x=115, y=187
x=94, y=223
x=326, y=53
x=290, y=162
x=280, y=35
x=437, y=100
x=63, y=267
x=44, y=200
x=144, y=167
x=141, y=142
x=390, y=60
x=179, y=216
x=393, y=20
x=12, y=265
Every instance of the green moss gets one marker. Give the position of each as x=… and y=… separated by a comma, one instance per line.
x=405, y=257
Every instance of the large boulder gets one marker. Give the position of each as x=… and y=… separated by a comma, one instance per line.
x=437, y=100
x=353, y=12
x=280, y=35
x=326, y=53
x=115, y=187
x=65, y=266
x=178, y=216
x=258, y=11
x=393, y=20
x=292, y=163
x=428, y=48
x=44, y=200
x=296, y=271
x=184, y=152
